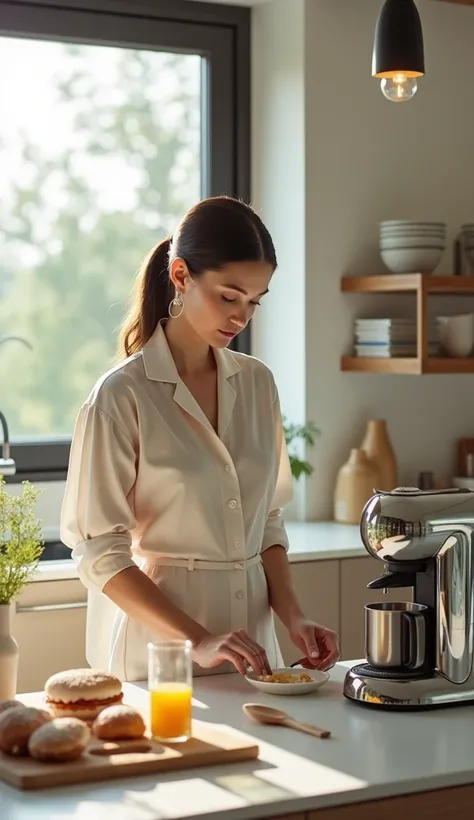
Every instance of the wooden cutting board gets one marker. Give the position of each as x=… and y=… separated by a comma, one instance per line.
x=208, y=746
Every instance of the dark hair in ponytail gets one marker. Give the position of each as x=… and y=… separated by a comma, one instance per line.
x=213, y=234
x=151, y=298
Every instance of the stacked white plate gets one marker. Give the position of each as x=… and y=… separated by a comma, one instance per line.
x=412, y=247
x=389, y=338
x=467, y=231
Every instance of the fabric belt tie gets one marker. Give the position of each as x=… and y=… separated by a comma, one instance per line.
x=192, y=564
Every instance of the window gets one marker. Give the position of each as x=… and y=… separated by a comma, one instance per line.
x=100, y=154
x=112, y=125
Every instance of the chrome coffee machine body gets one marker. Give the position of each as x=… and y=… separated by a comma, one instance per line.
x=420, y=653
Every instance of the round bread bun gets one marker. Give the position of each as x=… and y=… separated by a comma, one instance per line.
x=119, y=723
x=60, y=740
x=8, y=704
x=16, y=727
x=82, y=693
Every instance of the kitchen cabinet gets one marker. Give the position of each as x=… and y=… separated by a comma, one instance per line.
x=50, y=621
x=317, y=586
x=437, y=804
x=355, y=574
x=290, y=817
x=49, y=625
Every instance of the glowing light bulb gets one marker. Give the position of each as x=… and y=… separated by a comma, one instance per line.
x=399, y=88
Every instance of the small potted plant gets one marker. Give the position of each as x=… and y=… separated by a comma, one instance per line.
x=295, y=433
x=21, y=546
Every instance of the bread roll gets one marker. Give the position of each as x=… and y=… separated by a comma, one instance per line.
x=16, y=727
x=60, y=740
x=8, y=704
x=119, y=723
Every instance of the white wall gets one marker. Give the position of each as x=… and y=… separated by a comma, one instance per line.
x=279, y=189
x=363, y=159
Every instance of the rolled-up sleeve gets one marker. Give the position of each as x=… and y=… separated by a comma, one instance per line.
x=275, y=531
x=97, y=511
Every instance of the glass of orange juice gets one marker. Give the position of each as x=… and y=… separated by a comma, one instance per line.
x=170, y=684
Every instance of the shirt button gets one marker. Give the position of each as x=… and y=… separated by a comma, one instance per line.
x=237, y=545
x=227, y=468
x=232, y=503
x=238, y=566
x=240, y=594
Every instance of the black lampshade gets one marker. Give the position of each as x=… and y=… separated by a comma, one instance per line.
x=398, y=42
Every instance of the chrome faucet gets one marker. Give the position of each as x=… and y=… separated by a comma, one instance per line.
x=17, y=339
x=7, y=464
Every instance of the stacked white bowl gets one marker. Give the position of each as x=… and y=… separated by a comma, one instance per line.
x=412, y=247
x=467, y=231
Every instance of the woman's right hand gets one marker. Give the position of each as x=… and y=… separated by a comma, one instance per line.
x=236, y=647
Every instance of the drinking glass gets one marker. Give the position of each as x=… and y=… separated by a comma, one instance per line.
x=170, y=686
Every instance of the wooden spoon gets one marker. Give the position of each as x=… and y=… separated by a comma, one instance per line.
x=267, y=714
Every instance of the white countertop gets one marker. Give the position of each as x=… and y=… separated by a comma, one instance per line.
x=309, y=541
x=323, y=540
x=371, y=754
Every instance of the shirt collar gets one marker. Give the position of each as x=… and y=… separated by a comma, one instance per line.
x=160, y=366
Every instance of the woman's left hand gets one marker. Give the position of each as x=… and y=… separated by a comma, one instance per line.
x=318, y=644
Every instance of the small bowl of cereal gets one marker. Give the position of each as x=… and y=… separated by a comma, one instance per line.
x=289, y=681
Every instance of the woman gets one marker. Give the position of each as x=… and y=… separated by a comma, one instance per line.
x=178, y=468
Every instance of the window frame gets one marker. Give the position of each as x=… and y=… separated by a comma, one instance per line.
x=219, y=32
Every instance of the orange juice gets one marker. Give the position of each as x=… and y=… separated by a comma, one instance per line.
x=170, y=711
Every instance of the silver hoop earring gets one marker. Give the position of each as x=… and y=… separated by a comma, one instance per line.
x=176, y=306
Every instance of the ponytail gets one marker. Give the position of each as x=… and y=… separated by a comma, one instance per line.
x=150, y=302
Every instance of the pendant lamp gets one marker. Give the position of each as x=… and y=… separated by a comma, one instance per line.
x=398, y=55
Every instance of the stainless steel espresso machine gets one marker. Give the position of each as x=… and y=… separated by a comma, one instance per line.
x=419, y=654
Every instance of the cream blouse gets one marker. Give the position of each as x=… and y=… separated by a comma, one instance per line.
x=151, y=483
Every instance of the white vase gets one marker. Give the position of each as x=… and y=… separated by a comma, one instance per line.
x=9, y=653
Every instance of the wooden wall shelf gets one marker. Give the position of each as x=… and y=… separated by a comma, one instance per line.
x=459, y=2
x=412, y=366
x=408, y=283
x=422, y=285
